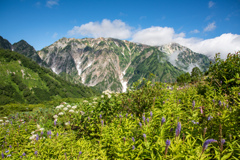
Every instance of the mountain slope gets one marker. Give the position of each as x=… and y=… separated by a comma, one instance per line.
x=184, y=58
x=24, y=81
x=5, y=44
x=107, y=63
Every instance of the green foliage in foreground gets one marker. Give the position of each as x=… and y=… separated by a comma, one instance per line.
x=24, y=81
x=121, y=126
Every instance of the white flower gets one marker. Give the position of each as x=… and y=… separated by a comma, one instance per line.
x=33, y=137
x=109, y=96
x=5, y=117
x=74, y=107
x=1, y=120
x=76, y=112
x=71, y=111
x=55, y=120
x=38, y=126
x=41, y=129
x=55, y=116
x=102, y=96
x=64, y=103
x=94, y=102
x=7, y=121
x=65, y=109
x=90, y=104
x=69, y=106
x=61, y=113
x=58, y=107
x=67, y=123
x=85, y=101
x=32, y=132
x=94, y=99
x=82, y=112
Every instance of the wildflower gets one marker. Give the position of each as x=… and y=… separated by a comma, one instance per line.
x=1, y=120
x=133, y=147
x=6, y=151
x=205, y=144
x=71, y=111
x=126, y=115
x=151, y=114
x=201, y=109
x=66, y=123
x=144, y=135
x=41, y=129
x=85, y=101
x=140, y=124
x=219, y=102
x=222, y=142
x=10, y=146
x=74, y=107
x=209, y=118
x=57, y=134
x=55, y=123
x=193, y=104
x=9, y=155
x=2, y=155
x=167, y=145
x=120, y=116
x=102, y=122
x=36, y=152
x=178, y=130
x=69, y=106
x=65, y=109
x=163, y=120
x=213, y=101
x=55, y=116
x=148, y=120
x=24, y=154
x=143, y=118
x=133, y=139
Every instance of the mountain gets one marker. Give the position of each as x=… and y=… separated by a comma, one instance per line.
x=184, y=58
x=23, y=48
x=24, y=81
x=109, y=63
x=5, y=44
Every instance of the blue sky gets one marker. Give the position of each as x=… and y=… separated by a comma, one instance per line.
x=203, y=26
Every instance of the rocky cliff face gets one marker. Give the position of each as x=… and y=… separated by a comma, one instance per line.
x=110, y=63
x=184, y=58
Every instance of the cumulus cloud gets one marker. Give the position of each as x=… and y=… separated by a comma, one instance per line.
x=211, y=4
x=114, y=29
x=226, y=43
x=156, y=36
x=51, y=3
x=210, y=27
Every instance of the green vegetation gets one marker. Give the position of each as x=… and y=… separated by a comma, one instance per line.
x=150, y=121
x=24, y=81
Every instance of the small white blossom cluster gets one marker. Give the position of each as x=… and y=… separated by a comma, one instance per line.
x=85, y=101
x=108, y=93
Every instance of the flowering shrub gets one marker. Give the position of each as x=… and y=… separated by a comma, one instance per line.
x=152, y=122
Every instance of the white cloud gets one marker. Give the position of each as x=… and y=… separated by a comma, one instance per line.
x=210, y=27
x=55, y=35
x=211, y=4
x=194, y=31
x=156, y=36
x=226, y=43
x=51, y=3
x=114, y=29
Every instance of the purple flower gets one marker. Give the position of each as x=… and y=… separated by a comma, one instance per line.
x=205, y=144
x=148, y=120
x=163, y=120
x=10, y=146
x=126, y=115
x=144, y=135
x=143, y=118
x=239, y=94
x=168, y=142
x=55, y=123
x=102, y=122
x=222, y=141
x=171, y=129
x=133, y=139
x=57, y=134
x=140, y=124
x=6, y=151
x=151, y=114
x=133, y=147
x=9, y=155
x=163, y=102
x=24, y=154
x=209, y=118
x=193, y=103
x=36, y=152
x=124, y=138
x=80, y=152
x=219, y=102
x=179, y=100
x=178, y=130
x=213, y=101
x=100, y=116
x=120, y=116
x=41, y=133
x=2, y=155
